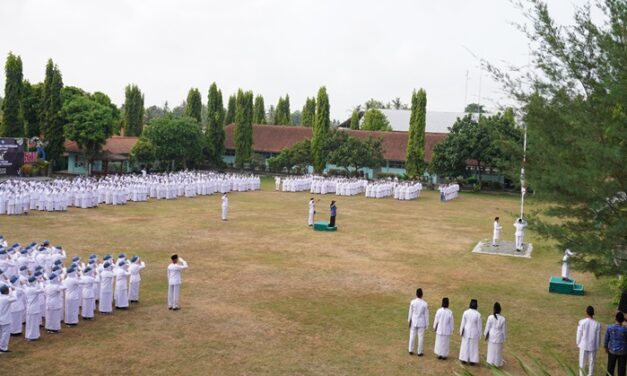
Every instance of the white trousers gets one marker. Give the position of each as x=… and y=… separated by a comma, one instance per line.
x=5, y=334
x=53, y=319
x=586, y=357
x=32, y=325
x=88, y=308
x=71, y=311
x=469, y=350
x=495, y=354
x=173, y=295
x=413, y=332
x=519, y=241
x=134, y=291
x=224, y=213
x=442, y=347
x=16, y=322
x=310, y=220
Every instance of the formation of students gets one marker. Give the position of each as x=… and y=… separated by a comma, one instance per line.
x=407, y=191
x=380, y=189
x=293, y=183
x=449, y=191
x=21, y=196
x=339, y=186
x=38, y=285
x=470, y=330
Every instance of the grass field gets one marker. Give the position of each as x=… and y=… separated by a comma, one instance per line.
x=265, y=295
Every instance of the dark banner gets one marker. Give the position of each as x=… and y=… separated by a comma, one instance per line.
x=11, y=155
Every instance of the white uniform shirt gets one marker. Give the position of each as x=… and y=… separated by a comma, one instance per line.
x=418, y=313
x=443, y=322
x=471, y=324
x=496, y=329
x=588, y=334
x=174, y=272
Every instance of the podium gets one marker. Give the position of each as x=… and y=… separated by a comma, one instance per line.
x=323, y=226
x=558, y=286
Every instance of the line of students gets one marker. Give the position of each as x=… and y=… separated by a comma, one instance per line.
x=36, y=287
x=495, y=331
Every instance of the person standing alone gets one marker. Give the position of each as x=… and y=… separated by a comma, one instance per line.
x=225, y=205
x=333, y=214
x=418, y=319
x=496, y=233
x=312, y=212
x=174, y=281
x=588, y=338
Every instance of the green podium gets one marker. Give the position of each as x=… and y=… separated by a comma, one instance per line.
x=323, y=226
x=558, y=286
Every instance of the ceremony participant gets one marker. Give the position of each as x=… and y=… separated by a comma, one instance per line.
x=54, y=304
x=333, y=214
x=174, y=281
x=225, y=205
x=495, y=334
x=136, y=267
x=7, y=298
x=105, y=304
x=470, y=330
x=443, y=327
x=418, y=318
x=72, y=297
x=566, y=265
x=615, y=344
x=18, y=308
x=520, y=233
x=312, y=212
x=121, y=285
x=88, y=284
x=588, y=341
x=33, y=309
x=496, y=232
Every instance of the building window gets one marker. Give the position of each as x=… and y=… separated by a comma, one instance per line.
x=229, y=152
x=396, y=164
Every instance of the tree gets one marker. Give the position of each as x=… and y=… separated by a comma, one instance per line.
x=144, y=151
x=89, y=124
x=215, y=129
x=52, y=122
x=308, y=115
x=31, y=108
x=243, y=132
x=153, y=112
x=373, y=103
x=398, y=105
x=573, y=104
x=193, y=105
x=104, y=100
x=295, y=118
x=259, y=111
x=12, y=122
x=296, y=157
x=474, y=108
x=374, y=120
x=282, y=112
x=177, y=140
x=271, y=113
x=353, y=154
x=355, y=120
x=230, y=111
x=416, y=144
x=133, y=111
x=321, y=127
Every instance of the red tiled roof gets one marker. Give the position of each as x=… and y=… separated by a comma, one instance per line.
x=274, y=138
x=114, y=145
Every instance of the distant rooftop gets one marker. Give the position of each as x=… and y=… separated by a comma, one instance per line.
x=437, y=121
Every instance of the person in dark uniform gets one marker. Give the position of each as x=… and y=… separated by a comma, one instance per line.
x=333, y=214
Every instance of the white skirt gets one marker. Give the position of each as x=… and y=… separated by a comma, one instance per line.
x=495, y=354
x=121, y=298
x=88, y=308
x=32, y=325
x=469, y=351
x=442, y=345
x=106, y=301
x=53, y=319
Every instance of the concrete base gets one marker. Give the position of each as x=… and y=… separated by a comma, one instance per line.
x=503, y=248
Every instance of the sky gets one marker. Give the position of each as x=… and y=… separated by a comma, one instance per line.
x=357, y=49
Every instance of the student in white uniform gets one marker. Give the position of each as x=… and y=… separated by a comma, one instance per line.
x=566, y=265
x=520, y=233
x=121, y=285
x=443, y=327
x=72, y=297
x=496, y=232
x=225, y=205
x=54, y=304
x=88, y=283
x=136, y=267
x=418, y=318
x=174, y=281
x=588, y=341
x=7, y=298
x=105, y=304
x=495, y=334
x=470, y=330
x=312, y=212
x=33, y=309
x=18, y=308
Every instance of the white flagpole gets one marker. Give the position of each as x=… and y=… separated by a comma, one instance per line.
x=523, y=188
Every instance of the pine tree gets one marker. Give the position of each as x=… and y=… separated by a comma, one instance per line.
x=321, y=127
x=309, y=112
x=52, y=122
x=416, y=144
x=230, y=111
x=12, y=121
x=243, y=133
x=282, y=114
x=215, y=129
x=133, y=111
x=355, y=120
x=193, y=105
x=31, y=108
x=259, y=112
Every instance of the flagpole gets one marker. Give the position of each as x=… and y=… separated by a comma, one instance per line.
x=523, y=188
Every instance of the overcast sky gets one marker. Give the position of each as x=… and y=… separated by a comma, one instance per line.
x=357, y=49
